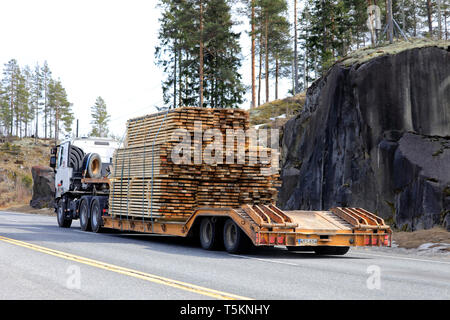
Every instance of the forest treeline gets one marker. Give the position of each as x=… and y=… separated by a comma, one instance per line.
x=34, y=104
x=32, y=101
x=201, y=57
x=200, y=53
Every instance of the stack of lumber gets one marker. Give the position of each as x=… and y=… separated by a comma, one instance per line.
x=147, y=183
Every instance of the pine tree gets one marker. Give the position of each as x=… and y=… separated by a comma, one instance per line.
x=223, y=87
x=11, y=74
x=35, y=96
x=100, y=118
x=59, y=107
x=281, y=54
x=272, y=31
x=179, y=54
x=4, y=111
x=26, y=114
x=253, y=49
x=46, y=75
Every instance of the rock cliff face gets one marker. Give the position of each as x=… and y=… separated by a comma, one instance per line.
x=375, y=135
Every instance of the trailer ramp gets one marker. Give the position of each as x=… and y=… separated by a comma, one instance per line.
x=336, y=227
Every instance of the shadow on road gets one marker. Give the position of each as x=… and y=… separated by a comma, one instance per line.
x=51, y=233
x=178, y=245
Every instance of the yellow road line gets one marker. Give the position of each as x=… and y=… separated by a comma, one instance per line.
x=129, y=272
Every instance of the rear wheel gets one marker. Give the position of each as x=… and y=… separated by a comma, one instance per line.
x=85, y=222
x=209, y=234
x=96, y=215
x=338, y=251
x=234, y=239
x=63, y=222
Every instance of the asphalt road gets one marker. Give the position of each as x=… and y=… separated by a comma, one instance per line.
x=38, y=260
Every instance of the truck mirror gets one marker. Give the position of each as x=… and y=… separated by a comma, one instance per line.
x=53, y=162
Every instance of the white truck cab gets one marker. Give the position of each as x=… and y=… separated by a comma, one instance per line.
x=68, y=162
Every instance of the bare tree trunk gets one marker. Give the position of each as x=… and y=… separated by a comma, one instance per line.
x=175, y=76
x=414, y=19
x=253, y=56
x=293, y=81
x=17, y=122
x=445, y=23
x=45, y=107
x=56, y=126
x=37, y=121
x=403, y=15
x=179, y=78
x=276, y=78
x=295, y=50
x=390, y=22
x=305, y=70
x=11, y=103
x=201, y=54
x=439, y=19
x=430, y=25
x=266, y=44
x=260, y=67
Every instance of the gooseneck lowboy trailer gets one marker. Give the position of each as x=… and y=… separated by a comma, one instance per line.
x=139, y=188
x=327, y=232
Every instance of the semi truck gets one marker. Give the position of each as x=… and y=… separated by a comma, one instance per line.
x=83, y=170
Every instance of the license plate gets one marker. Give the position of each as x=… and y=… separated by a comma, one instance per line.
x=307, y=242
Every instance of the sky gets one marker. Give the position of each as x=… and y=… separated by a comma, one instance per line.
x=98, y=48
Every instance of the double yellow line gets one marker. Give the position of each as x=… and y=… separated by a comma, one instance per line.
x=128, y=272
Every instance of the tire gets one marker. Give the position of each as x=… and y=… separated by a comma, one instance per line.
x=337, y=251
x=234, y=239
x=209, y=234
x=85, y=222
x=92, y=164
x=63, y=222
x=76, y=156
x=96, y=215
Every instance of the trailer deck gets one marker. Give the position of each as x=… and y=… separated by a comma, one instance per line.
x=267, y=225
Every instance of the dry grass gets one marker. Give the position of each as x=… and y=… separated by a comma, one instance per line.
x=28, y=209
x=289, y=106
x=410, y=240
x=365, y=54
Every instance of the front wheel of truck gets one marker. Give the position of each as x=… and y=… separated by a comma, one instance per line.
x=63, y=222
